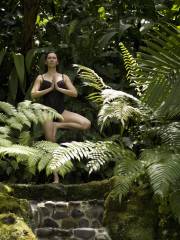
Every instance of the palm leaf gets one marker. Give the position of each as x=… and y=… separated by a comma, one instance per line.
x=20, y=68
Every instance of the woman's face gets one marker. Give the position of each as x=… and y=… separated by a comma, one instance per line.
x=52, y=60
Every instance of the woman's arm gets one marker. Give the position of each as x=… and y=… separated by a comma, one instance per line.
x=70, y=91
x=35, y=93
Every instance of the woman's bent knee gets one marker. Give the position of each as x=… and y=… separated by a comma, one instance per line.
x=86, y=124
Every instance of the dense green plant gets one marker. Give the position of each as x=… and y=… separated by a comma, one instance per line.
x=155, y=127
x=19, y=132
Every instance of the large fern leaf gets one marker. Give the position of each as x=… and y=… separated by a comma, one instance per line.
x=163, y=169
x=101, y=153
x=90, y=78
x=117, y=110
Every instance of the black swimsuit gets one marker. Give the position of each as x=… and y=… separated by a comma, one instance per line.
x=54, y=99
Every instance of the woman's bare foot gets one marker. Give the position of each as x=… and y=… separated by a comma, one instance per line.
x=56, y=177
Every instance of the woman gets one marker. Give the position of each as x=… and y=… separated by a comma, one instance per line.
x=52, y=86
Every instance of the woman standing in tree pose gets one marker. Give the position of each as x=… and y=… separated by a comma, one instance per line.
x=52, y=86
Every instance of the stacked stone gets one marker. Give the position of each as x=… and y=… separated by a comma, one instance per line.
x=76, y=220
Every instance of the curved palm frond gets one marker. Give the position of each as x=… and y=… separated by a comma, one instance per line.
x=160, y=59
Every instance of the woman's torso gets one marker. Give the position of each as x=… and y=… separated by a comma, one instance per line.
x=53, y=99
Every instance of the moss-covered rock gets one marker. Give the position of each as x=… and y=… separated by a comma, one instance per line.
x=134, y=219
x=72, y=192
x=14, y=205
x=13, y=227
x=15, y=216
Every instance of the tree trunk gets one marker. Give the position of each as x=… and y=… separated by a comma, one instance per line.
x=31, y=8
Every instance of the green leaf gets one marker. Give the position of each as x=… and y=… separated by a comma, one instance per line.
x=20, y=68
x=28, y=59
x=174, y=203
x=2, y=53
x=12, y=85
x=72, y=26
x=106, y=38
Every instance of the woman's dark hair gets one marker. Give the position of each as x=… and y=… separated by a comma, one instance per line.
x=45, y=58
x=47, y=53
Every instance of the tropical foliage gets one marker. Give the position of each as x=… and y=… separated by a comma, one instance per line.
x=136, y=98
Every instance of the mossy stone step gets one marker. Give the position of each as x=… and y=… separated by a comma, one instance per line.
x=68, y=215
x=72, y=234
x=60, y=192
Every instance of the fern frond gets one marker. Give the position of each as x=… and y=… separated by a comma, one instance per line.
x=45, y=113
x=90, y=78
x=30, y=115
x=4, y=141
x=96, y=98
x=44, y=160
x=134, y=72
x=46, y=146
x=8, y=108
x=101, y=153
x=33, y=161
x=170, y=135
x=111, y=94
x=118, y=110
x=122, y=185
x=25, y=138
x=5, y=130
x=174, y=200
x=67, y=152
x=16, y=150
x=128, y=164
x=21, y=117
x=3, y=117
x=163, y=168
x=45, y=154
x=13, y=123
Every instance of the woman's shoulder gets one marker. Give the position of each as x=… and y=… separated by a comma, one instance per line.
x=39, y=78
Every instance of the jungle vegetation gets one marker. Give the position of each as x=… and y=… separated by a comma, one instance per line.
x=124, y=60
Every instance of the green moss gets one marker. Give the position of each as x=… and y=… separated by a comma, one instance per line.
x=5, y=188
x=14, y=227
x=134, y=219
x=14, y=205
x=86, y=191
x=91, y=190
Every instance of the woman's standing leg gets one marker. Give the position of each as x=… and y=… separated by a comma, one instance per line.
x=50, y=135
